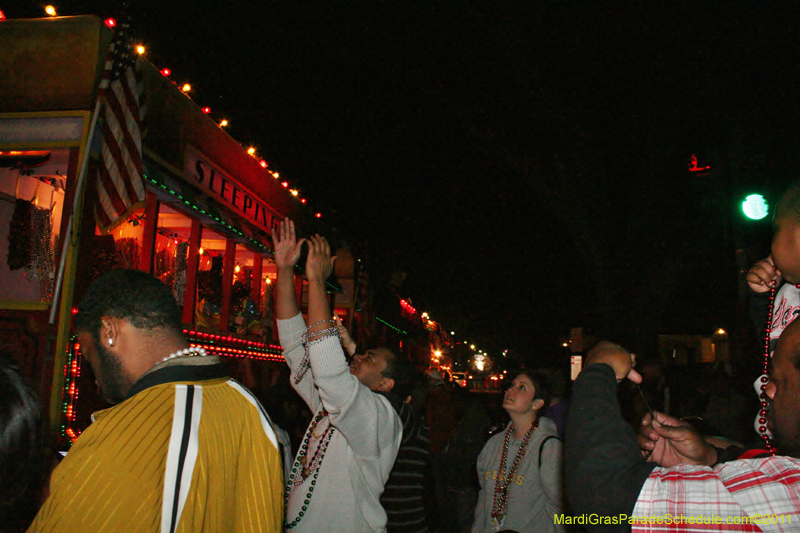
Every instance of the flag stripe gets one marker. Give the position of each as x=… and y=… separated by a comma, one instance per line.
x=120, y=183
x=109, y=203
x=120, y=150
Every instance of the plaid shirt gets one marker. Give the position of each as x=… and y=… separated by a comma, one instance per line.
x=744, y=495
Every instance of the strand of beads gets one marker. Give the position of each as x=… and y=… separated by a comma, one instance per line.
x=310, y=339
x=300, y=472
x=186, y=352
x=319, y=453
x=500, y=503
x=762, y=415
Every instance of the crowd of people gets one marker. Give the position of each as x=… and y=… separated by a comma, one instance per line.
x=185, y=447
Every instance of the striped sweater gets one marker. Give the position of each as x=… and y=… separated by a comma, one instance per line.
x=189, y=450
x=403, y=498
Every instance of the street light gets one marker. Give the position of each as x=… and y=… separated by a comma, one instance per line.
x=755, y=207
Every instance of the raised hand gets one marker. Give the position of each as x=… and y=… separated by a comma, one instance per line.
x=287, y=247
x=319, y=264
x=348, y=343
x=617, y=357
x=669, y=441
x=762, y=275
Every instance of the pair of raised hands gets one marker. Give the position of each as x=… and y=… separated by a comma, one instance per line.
x=662, y=438
x=319, y=263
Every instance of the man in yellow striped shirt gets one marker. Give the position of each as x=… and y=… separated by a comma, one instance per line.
x=185, y=448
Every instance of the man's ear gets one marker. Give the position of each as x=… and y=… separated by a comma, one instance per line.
x=386, y=384
x=109, y=331
x=538, y=404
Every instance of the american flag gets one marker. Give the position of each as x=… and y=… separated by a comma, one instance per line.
x=120, y=186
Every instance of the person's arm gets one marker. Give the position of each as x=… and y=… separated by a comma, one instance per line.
x=366, y=419
x=550, y=474
x=604, y=469
x=348, y=344
x=761, y=277
x=286, y=254
x=291, y=325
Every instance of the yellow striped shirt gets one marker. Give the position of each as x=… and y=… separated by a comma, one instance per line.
x=178, y=456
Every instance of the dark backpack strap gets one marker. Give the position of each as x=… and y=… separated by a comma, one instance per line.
x=541, y=447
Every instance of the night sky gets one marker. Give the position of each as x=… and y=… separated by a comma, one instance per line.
x=525, y=163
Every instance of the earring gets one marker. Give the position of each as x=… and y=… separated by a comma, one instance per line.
x=110, y=341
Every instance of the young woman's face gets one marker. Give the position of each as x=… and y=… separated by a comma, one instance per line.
x=519, y=397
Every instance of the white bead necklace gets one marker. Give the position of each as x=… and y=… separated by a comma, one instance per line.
x=186, y=352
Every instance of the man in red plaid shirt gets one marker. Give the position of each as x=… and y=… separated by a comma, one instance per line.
x=613, y=487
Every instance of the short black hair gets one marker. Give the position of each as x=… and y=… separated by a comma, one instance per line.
x=130, y=294
x=401, y=371
x=541, y=385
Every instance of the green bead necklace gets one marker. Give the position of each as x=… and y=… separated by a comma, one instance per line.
x=301, y=470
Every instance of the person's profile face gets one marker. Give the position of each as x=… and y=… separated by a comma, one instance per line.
x=786, y=247
x=107, y=368
x=369, y=367
x=519, y=397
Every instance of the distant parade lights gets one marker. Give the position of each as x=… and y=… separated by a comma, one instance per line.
x=50, y=10
x=140, y=49
x=110, y=22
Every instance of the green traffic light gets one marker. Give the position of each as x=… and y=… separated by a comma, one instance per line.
x=755, y=207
